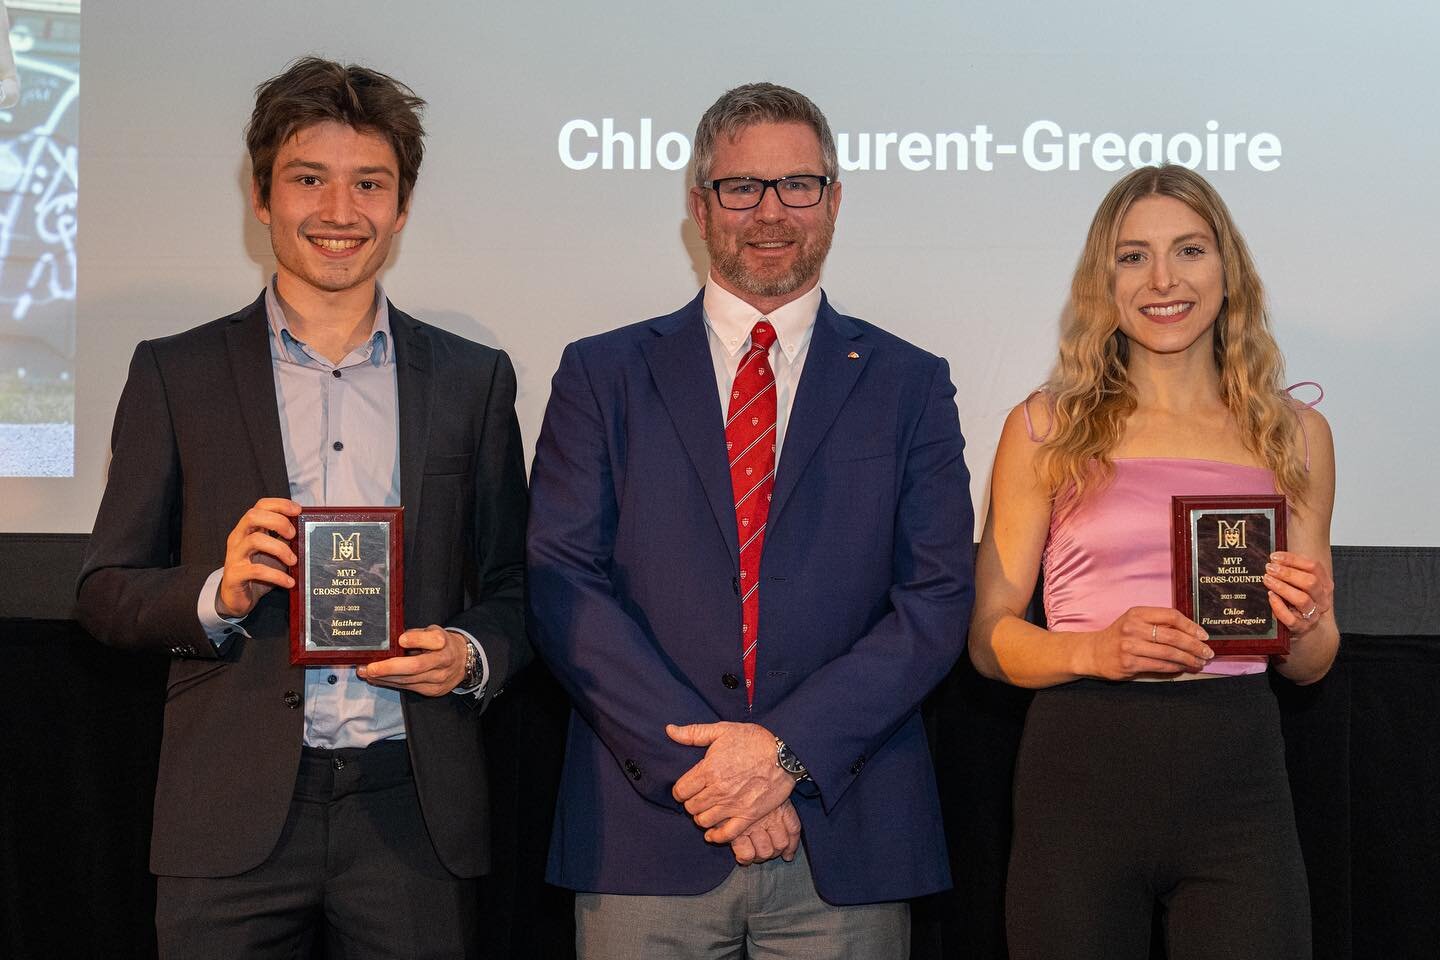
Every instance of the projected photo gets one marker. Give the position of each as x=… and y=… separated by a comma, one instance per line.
x=39, y=145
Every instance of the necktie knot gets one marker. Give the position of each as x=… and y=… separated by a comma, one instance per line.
x=762, y=335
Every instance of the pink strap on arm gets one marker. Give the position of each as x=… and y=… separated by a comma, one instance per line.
x=1030, y=424
x=1302, y=405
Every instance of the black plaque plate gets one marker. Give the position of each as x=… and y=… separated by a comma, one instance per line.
x=346, y=607
x=1221, y=546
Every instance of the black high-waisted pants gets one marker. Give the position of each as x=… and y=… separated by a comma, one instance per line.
x=1131, y=795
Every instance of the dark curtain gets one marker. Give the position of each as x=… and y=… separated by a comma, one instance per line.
x=81, y=724
x=82, y=729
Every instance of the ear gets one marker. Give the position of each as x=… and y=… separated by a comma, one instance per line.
x=699, y=204
x=262, y=212
x=832, y=199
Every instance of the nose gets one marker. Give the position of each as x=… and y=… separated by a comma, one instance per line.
x=770, y=208
x=1161, y=278
x=337, y=206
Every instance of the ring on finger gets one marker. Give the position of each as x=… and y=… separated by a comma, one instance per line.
x=1307, y=616
x=1154, y=631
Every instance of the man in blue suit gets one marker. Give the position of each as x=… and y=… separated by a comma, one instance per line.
x=750, y=560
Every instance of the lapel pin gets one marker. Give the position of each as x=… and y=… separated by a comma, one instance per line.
x=853, y=355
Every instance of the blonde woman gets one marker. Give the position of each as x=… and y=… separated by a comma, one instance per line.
x=1151, y=774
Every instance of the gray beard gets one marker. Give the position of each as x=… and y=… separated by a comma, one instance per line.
x=728, y=264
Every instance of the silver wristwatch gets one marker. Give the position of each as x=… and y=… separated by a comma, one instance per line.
x=471, y=680
x=786, y=760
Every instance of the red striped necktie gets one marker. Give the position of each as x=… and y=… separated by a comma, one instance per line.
x=750, y=440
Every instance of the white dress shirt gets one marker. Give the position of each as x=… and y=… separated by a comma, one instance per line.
x=728, y=321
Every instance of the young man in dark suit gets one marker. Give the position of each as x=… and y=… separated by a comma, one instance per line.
x=750, y=560
x=289, y=796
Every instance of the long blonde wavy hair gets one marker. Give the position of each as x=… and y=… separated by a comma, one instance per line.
x=1090, y=394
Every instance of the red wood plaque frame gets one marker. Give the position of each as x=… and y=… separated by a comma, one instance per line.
x=357, y=597
x=1218, y=570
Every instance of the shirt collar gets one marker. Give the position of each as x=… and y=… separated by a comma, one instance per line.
x=286, y=345
x=731, y=318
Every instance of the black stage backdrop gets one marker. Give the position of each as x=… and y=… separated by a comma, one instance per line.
x=81, y=730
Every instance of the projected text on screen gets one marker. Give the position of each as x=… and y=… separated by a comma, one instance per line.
x=1043, y=146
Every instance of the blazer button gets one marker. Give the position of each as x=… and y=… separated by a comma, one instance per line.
x=857, y=766
x=632, y=769
x=730, y=680
x=292, y=699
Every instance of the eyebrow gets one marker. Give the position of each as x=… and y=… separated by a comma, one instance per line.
x=1146, y=244
x=756, y=176
x=317, y=165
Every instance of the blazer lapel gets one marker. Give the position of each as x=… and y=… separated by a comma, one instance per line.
x=684, y=375
x=247, y=342
x=415, y=387
x=830, y=374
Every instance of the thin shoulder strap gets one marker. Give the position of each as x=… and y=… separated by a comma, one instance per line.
x=1305, y=405
x=1030, y=424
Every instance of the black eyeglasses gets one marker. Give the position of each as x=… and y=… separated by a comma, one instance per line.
x=743, y=193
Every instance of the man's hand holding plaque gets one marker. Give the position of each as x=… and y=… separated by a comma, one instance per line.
x=433, y=664
x=257, y=556
x=343, y=567
x=347, y=575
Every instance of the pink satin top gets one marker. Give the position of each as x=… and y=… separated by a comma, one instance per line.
x=1112, y=552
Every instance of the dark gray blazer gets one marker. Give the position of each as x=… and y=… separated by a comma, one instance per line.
x=196, y=442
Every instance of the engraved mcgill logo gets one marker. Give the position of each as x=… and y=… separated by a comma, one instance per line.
x=345, y=548
x=1231, y=535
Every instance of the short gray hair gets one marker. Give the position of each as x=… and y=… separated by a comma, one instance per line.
x=755, y=103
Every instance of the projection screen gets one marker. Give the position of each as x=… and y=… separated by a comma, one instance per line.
x=976, y=141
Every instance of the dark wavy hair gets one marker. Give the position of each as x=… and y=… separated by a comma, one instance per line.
x=313, y=90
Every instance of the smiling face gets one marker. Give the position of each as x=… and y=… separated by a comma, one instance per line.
x=334, y=207
x=1169, y=281
x=770, y=254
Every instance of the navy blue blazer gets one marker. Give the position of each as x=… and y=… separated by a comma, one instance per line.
x=866, y=590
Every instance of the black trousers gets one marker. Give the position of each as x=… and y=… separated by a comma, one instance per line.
x=1133, y=796
x=354, y=856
